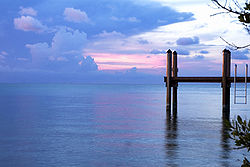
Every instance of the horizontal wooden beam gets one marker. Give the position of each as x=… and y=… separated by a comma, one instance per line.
x=206, y=79
x=239, y=79
x=198, y=79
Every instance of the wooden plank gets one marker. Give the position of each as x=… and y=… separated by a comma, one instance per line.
x=197, y=79
x=239, y=79
x=207, y=79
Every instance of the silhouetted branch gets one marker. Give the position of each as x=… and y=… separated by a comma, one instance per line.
x=235, y=47
x=219, y=13
x=242, y=13
x=229, y=9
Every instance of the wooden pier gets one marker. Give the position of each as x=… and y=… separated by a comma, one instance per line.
x=172, y=81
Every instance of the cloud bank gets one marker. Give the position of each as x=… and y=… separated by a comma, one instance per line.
x=64, y=52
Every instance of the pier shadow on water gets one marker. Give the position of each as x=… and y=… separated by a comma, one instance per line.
x=199, y=143
x=171, y=141
x=225, y=145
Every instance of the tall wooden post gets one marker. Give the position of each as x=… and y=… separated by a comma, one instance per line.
x=169, y=65
x=175, y=85
x=226, y=69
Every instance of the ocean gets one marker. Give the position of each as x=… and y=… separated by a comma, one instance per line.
x=76, y=125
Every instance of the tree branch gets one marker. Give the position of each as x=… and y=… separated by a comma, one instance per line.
x=229, y=9
x=235, y=47
x=242, y=13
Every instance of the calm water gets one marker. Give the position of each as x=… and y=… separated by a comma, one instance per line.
x=74, y=125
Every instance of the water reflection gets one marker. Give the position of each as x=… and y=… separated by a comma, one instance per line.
x=225, y=144
x=171, y=141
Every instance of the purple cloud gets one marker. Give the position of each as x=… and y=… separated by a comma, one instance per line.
x=188, y=41
x=88, y=64
x=182, y=52
x=2, y=57
x=204, y=52
x=198, y=57
x=156, y=52
x=132, y=70
x=40, y=53
x=28, y=23
x=27, y=11
x=75, y=15
x=67, y=40
x=143, y=41
x=122, y=19
x=3, y=53
x=65, y=50
x=109, y=35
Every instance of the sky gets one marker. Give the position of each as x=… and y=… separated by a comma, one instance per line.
x=113, y=41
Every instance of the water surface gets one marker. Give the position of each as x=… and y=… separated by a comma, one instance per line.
x=113, y=125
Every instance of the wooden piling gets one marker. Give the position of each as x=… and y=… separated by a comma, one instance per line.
x=168, y=83
x=226, y=69
x=175, y=84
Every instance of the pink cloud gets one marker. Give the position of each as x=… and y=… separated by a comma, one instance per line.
x=4, y=53
x=27, y=11
x=113, y=61
x=75, y=15
x=28, y=23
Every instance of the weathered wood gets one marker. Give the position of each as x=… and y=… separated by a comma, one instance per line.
x=196, y=79
x=175, y=84
x=169, y=67
x=225, y=80
x=226, y=84
x=239, y=79
x=207, y=79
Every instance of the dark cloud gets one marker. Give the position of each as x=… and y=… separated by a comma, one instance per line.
x=88, y=64
x=204, y=52
x=182, y=52
x=143, y=41
x=188, y=41
x=125, y=16
x=156, y=52
x=132, y=70
x=240, y=55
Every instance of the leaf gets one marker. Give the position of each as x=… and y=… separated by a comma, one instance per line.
x=241, y=18
x=228, y=125
x=239, y=119
x=247, y=6
x=244, y=128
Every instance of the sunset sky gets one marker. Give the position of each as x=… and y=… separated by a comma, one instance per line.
x=113, y=40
